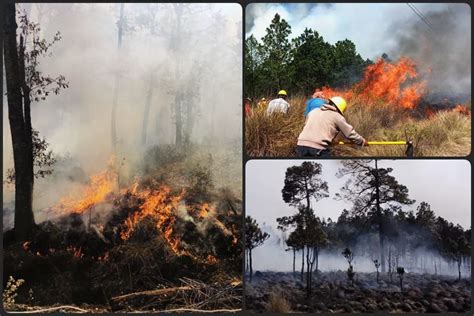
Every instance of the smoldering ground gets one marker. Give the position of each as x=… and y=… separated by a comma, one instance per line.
x=77, y=122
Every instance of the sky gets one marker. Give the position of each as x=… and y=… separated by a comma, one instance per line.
x=444, y=184
x=367, y=25
x=441, y=47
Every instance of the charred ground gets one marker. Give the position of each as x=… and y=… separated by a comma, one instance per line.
x=421, y=293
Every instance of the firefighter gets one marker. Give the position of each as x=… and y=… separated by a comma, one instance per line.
x=279, y=104
x=317, y=100
x=262, y=104
x=322, y=126
x=247, y=106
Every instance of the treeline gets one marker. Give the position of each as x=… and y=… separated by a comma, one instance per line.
x=298, y=65
x=375, y=227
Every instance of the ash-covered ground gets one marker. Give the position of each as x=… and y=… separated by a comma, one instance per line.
x=332, y=293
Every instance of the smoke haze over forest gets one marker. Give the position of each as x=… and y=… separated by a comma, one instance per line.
x=445, y=185
x=77, y=122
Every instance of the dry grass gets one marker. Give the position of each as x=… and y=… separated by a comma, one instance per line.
x=277, y=303
x=446, y=133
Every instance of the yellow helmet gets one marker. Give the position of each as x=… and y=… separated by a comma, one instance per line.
x=282, y=92
x=340, y=103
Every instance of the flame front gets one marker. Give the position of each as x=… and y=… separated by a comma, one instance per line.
x=160, y=206
x=462, y=109
x=99, y=188
x=391, y=83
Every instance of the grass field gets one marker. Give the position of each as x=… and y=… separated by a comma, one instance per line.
x=442, y=133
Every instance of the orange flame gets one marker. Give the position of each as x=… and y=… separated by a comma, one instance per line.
x=26, y=245
x=77, y=252
x=462, y=109
x=100, y=186
x=159, y=205
x=391, y=83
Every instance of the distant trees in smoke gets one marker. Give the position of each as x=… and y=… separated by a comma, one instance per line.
x=254, y=237
x=376, y=227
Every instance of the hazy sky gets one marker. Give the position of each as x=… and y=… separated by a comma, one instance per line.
x=369, y=26
x=444, y=184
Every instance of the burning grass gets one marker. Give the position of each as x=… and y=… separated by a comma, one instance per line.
x=385, y=105
x=107, y=241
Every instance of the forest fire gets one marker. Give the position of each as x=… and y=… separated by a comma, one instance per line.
x=392, y=83
x=462, y=109
x=100, y=186
x=160, y=206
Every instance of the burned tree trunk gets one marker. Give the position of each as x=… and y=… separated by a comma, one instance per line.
x=20, y=126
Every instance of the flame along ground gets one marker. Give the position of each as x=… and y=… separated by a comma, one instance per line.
x=395, y=83
x=158, y=204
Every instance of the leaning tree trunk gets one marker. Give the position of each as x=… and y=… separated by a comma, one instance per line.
x=20, y=127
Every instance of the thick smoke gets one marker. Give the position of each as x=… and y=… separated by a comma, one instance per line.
x=440, y=41
x=264, y=258
x=77, y=122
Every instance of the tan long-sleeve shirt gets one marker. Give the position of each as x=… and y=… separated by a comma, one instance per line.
x=322, y=126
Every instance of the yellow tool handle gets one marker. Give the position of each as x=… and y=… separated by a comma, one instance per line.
x=397, y=142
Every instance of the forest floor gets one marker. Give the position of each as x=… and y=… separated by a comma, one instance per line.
x=285, y=292
x=167, y=242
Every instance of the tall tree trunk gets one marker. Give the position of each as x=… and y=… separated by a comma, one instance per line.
x=308, y=205
x=459, y=268
x=113, y=123
x=250, y=264
x=294, y=260
x=317, y=260
x=302, y=263
x=20, y=127
x=146, y=113
x=189, y=122
x=379, y=218
x=179, y=120
x=178, y=8
x=308, y=272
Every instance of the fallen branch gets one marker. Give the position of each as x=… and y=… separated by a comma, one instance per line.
x=191, y=310
x=152, y=292
x=80, y=310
